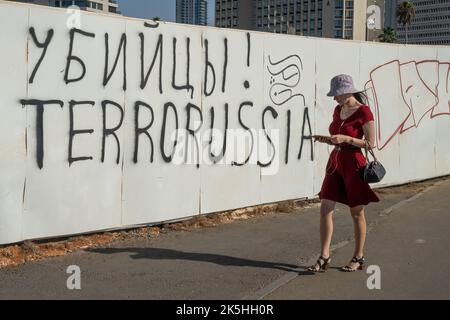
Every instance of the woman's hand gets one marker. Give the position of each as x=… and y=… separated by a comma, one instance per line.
x=339, y=138
x=322, y=139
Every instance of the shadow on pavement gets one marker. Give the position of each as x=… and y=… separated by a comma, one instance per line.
x=305, y=272
x=168, y=254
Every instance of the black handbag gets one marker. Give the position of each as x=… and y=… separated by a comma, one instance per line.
x=373, y=171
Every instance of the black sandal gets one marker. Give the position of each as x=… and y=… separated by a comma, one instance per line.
x=359, y=261
x=321, y=265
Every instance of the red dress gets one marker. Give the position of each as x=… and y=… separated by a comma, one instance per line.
x=343, y=182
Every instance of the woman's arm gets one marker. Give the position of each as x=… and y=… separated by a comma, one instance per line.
x=369, y=132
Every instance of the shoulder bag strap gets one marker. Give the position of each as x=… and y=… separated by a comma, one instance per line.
x=368, y=148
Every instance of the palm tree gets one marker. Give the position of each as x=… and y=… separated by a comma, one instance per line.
x=388, y=35
x=156, y=18
x=406, y=11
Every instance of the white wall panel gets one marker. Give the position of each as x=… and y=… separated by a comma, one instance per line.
x=440, y=116
x=419, y=94
x=289, y=87
x=75, y=180
x=379, y=62
x=227, y=184
x=13, y=87
x=75, y=195
x=159, y=190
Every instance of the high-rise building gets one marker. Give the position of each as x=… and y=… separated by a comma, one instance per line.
x=192, y=12
x=344, y=19
x=431, y=24
x=110, y=6
x=239, y=14
x=40, y=2
x=95, y=6
x=391, y=9
x=320, y=18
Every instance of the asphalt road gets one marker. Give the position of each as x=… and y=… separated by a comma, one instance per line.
x=263, y=258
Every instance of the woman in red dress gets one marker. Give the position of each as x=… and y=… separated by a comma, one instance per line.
x=352, y=120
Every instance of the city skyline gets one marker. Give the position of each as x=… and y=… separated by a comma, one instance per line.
x=329, y=19
x=301, y=17
x=166, y=10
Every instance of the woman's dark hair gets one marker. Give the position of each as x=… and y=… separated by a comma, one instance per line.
x=361, y=97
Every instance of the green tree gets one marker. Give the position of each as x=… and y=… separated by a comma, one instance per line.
x=156, y=18
x=406, y=11
x=388, y=35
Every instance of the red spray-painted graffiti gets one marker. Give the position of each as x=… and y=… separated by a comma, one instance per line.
x=422, y=87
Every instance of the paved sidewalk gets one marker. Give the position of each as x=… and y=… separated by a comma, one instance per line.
x=260, y=257
x=411, y=248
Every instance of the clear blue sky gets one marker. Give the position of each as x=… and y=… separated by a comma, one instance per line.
x=165, y=9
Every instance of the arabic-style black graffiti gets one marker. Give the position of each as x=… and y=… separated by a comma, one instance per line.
x=285, y=77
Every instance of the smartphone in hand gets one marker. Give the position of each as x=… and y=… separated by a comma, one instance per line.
x=322, y=139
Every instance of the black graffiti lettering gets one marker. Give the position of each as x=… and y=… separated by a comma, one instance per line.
x=165, y=157
x=212, y=156
x=149, y=25
x=158, y=51
x=187, y=86
x=138, y=131
x=192, y=132
x=40, y=125
x=111, y=131
x=208, y=65
x=122, y=46
x=225, y=64
x=43, y=45
x=248, y=49
x=274, y=115
x=73, y=132
x=309, y=137
x=71, y=57
x=288, y=136
x=246, y=82
x=246, y=103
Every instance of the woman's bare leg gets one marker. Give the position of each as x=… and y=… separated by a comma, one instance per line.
x=326, y=225
x=360, y=226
